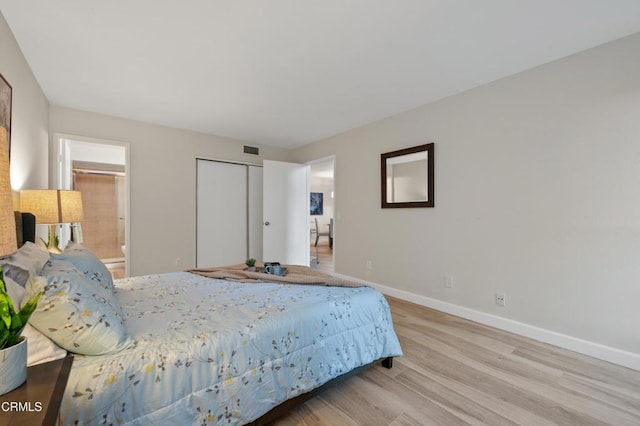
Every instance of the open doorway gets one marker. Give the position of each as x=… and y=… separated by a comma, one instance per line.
x=98, y=169
x=322, y=208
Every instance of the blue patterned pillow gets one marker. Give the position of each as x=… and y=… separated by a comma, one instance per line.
x=88, y=263
x=76, y=313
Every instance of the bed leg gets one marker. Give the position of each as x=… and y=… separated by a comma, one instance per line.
x=387, y=362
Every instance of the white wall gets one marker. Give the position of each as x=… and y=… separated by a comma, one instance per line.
x=30, y=117
x=162, y=176
x=537, y=179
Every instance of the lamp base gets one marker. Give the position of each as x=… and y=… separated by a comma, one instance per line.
x=51, y=245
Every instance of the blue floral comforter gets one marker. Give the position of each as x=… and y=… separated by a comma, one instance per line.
x=218, y=352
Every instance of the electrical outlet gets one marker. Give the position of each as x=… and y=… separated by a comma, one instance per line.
x=178, y=261
x=448, y=282
x=501, y=299
x=369, y=265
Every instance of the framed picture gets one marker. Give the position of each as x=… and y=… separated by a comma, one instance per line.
x=5, y=108
x=316, y=204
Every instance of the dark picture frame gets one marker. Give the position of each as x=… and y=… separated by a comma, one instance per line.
x=315, y=202
x=425, y=155
x=6, y=92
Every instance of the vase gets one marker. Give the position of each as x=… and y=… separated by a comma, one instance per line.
x=251, y=268
x=13, y=366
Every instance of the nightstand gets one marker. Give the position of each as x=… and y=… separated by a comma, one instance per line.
x=38, y=400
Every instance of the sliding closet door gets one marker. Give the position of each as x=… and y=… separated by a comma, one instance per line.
x=221, y=221
x=255, y=212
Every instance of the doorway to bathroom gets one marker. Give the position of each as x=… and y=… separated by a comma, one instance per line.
x=98, y=169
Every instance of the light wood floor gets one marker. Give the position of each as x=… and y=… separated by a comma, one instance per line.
x=325, y=255
x=457, y=372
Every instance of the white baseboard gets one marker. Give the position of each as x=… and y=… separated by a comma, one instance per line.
x=585, y=347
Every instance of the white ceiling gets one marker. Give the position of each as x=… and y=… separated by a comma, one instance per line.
x=290, y=72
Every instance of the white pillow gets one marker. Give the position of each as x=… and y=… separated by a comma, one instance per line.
x=28, y=260
x=15, y=292
x=40, y=348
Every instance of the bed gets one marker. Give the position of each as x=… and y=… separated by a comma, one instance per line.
x=190, y=349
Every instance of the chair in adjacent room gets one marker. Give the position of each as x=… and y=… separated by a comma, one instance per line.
x=318, y=235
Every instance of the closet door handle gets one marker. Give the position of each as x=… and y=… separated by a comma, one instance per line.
x=266, y=223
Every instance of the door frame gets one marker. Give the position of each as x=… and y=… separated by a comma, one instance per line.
x=59, y=182
x=325, y=159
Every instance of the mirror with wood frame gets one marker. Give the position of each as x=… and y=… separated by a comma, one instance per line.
x=407, y=177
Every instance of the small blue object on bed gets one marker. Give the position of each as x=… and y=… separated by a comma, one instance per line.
x=210, y=351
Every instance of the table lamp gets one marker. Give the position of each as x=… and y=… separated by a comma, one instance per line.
x=51, y=207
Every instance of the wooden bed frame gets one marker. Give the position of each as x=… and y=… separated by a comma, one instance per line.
x=290, y=404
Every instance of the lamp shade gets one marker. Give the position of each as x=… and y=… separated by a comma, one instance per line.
x=51, y=206
x=8, y=241
x=71, y=206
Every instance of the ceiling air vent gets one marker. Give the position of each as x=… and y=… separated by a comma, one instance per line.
x=251, y=150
